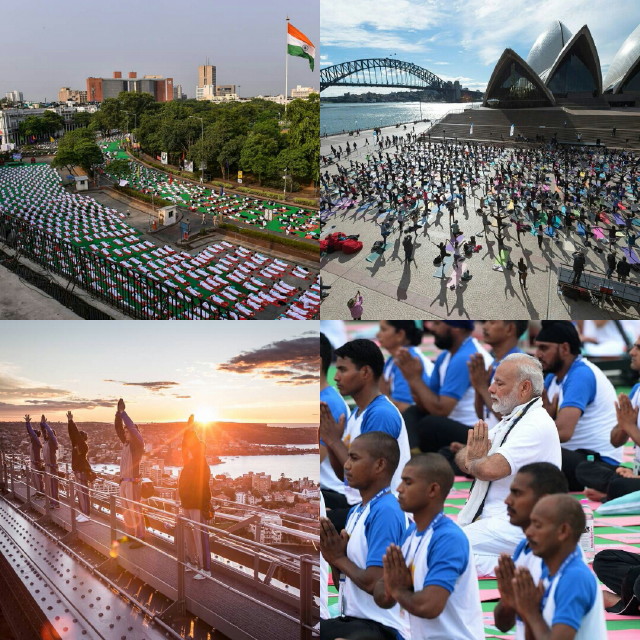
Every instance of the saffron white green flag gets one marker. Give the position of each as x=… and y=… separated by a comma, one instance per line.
x=299, y=45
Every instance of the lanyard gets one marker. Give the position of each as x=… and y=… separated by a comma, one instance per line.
x=545, y=575
x=423, y=537
x=359, y=511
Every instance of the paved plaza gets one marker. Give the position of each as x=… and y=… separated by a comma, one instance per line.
x=395, y=288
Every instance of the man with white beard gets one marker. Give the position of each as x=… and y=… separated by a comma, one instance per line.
x=493, y=456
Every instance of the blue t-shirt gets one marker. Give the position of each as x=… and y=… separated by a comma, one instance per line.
x=578, y=386
x=447, y=554
x=456, y=379
x=381, y=415
x=574, y=595
x=400, y=390
x=336, y=402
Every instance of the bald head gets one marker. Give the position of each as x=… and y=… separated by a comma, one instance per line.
x=563, y=509
x=433, y=467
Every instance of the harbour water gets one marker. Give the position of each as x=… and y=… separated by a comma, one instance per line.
x=293, y=466
x=336, y=118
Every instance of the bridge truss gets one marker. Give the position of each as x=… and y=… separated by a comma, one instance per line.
x=381, y=72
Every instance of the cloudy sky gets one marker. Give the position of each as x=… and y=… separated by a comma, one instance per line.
x=462, y=39
x=47, y=45
x=253, y=372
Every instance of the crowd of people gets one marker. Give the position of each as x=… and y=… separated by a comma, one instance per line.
x=193, y=483
x=228, y=280
x=528, y=428
x=413, y=185
x=199, y=198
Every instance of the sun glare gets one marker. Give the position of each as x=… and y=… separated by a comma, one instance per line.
x=206, y=414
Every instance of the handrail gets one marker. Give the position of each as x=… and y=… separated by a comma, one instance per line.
x=306, y=565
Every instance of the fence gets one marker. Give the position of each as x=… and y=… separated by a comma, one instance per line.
x=110, y=507
x=132, y=293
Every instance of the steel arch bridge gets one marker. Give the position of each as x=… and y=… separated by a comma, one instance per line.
x=381, y=72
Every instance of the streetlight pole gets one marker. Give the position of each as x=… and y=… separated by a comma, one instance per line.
x=202, y=140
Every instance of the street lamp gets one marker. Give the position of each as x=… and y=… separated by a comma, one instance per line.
x=202, y=140
x=284, y=177
x=135, y=120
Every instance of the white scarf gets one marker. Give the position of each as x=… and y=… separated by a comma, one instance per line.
x=479, y=489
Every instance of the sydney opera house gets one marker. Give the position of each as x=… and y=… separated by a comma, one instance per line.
x=564, y=68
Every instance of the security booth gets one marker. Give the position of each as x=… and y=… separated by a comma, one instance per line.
x=167, y=215
x=82, y=183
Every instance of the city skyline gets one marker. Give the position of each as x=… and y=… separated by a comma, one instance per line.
x=247, y=44
x=461, y=40
x=266, y=372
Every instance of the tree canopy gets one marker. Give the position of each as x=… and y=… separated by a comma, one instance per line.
x=78, y=148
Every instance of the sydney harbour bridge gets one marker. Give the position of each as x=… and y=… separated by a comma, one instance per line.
x=386, y=72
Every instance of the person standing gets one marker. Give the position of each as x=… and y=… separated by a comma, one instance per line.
x=80, y=467
x=623, y=269
x=540, y=236
x=522, y=272
x=50, y=455
x=130, y=480
x=567, y=602
x=611, y=263
x=195, y=499
x=578, y=266
x=431, y=575
x=37, y=463
x=407, y=245
x=355, y=306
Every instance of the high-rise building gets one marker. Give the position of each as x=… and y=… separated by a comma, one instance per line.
x=206, y=88
x=99, y=89
x=74, y=95
x=206, y=75
x=302, y=92
x=261, y=482
x=14, y=96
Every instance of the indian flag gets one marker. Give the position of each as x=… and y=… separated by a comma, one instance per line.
x=299, y=45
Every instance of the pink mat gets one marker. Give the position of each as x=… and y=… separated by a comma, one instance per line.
x=630, y=538
x=597, y=233
x=617, y=521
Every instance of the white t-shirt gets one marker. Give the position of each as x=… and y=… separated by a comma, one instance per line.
x=441, y=556
x=587, y=388
x=380, y=415
x=533, y=439
x=371, y=530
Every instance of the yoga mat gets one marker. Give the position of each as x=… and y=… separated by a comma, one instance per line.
x=603, y=216
x=550, y=231
x=618, y=218
x=444, y=268
x=459, y=238
x=629, y=538
x=636, y=222
x=616, y=521
x=632, y=258
x=456, y=274
x=580, y=229
x=598, y=233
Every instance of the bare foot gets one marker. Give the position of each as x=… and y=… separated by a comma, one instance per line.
x=596, y=496
x=610, y=599
x=120, y=405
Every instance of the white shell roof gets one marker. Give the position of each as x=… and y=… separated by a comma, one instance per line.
x=546, y=48
x=627, y=55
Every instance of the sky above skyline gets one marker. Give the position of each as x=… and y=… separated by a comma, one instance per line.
x=462, y=39
x=48, y=45
x=261, y=371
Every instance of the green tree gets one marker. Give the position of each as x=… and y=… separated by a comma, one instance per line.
x=51, y=123
x=78, y=148
x=30, y=126
x=82, y=119
x=258, y=156
x=295, y=162
x=108, y=117
x=119, y=168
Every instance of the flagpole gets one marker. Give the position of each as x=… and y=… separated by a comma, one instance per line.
x=286, y=67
